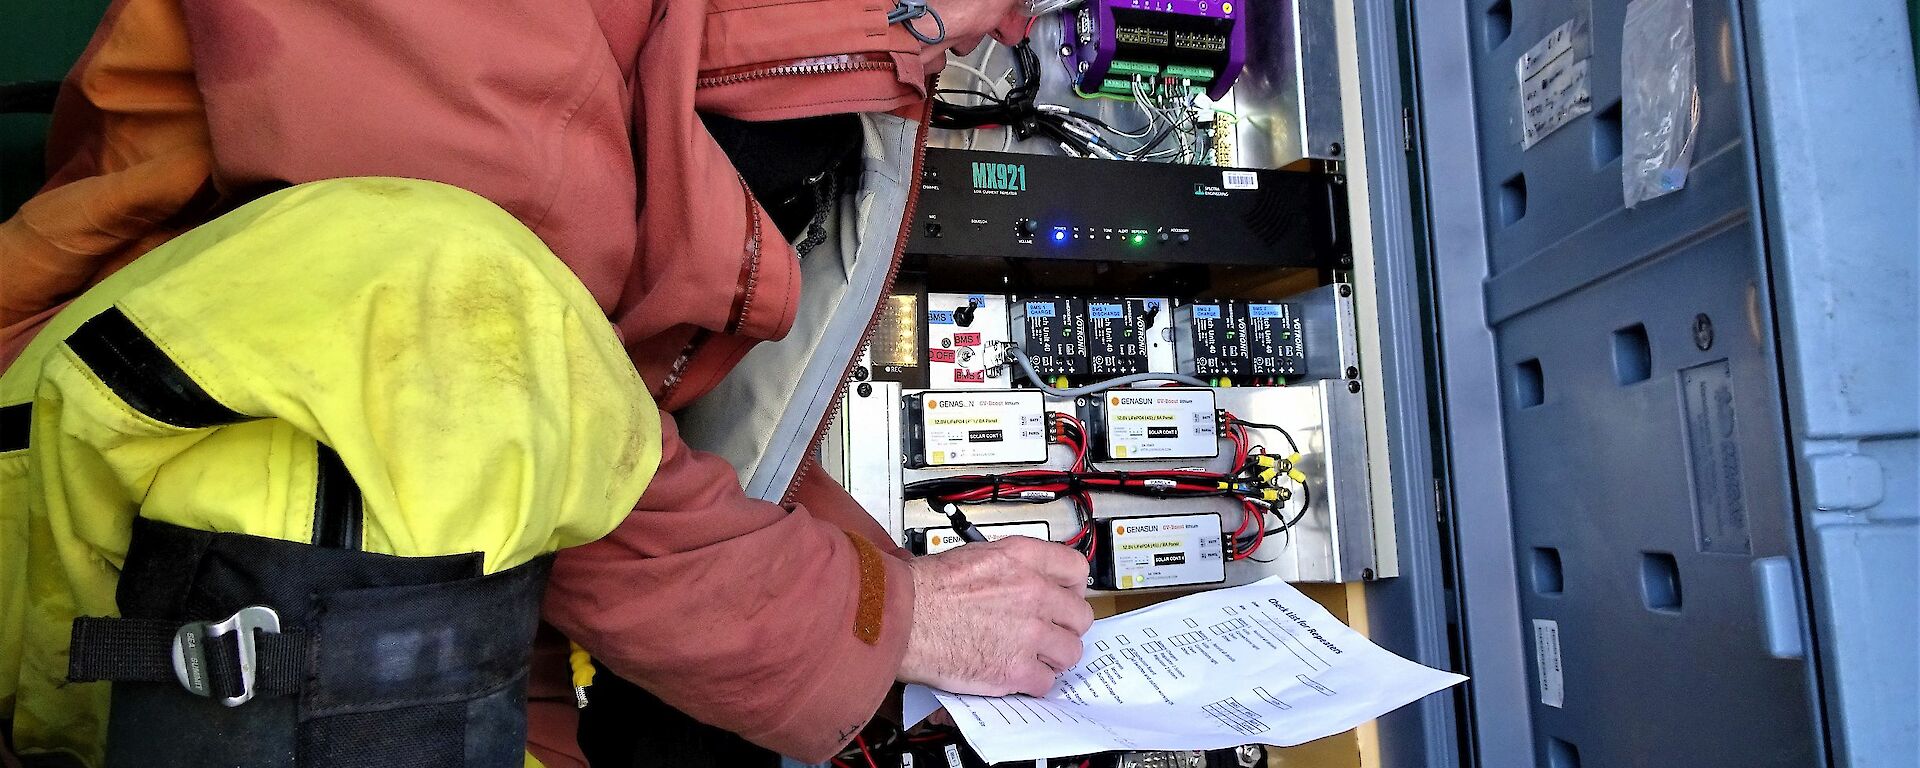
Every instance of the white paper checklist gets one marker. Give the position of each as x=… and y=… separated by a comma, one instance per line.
x=1257, y=664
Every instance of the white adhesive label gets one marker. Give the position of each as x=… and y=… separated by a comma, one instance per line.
x=1553, y=81
x=983, y=428
x=942, y=539
x=1239, y=180
x=1546, y=656
x=1167, y=551
x=953, y=757
x=1161, y=424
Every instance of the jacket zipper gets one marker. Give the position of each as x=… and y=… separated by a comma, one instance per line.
x=337, y=506
x=857, y=62
x=812, y=456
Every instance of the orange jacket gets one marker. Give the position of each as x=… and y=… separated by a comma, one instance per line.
x=579, y=118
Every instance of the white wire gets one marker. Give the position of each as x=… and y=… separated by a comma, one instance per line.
x=977, y=74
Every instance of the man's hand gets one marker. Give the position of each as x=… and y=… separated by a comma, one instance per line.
x=993, y=618
x=968, y=21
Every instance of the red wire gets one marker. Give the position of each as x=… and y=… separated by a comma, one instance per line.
x=862, y=741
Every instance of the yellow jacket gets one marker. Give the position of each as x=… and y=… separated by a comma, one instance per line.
x=468, y=382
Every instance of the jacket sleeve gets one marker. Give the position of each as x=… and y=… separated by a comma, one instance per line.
x=519, y=101
x=823, y=497
x=769, y=622
x=128, y=161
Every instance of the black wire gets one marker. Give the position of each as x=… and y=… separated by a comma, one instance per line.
x=1295, y=447
x=970, y=92
x=1306, y=501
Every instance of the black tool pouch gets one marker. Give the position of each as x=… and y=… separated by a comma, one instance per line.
x=247, y=651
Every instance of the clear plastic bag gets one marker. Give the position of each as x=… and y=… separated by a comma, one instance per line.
x=1660, y=98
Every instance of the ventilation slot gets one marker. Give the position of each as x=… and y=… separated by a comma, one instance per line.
x=1606, y=136
x=1660, y=582
x=1632, y=355
x=1548, y=578
x=1498, y=25
x=1562, y=754
x=1513, y=200
x=1529, y=383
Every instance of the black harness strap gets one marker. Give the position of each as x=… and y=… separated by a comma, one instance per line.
x=379, y=660
x=141, y=650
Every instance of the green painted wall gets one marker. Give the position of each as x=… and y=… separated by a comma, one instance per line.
x=39, y=39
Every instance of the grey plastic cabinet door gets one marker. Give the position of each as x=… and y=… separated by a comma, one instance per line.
x=1642, y=431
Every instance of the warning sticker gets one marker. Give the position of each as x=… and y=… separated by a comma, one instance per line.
x=1553, y=81
x=1546, y=657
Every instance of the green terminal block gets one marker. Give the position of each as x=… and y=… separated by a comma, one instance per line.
x=1117, y=86
x=1184, y=72
x=1121, y=67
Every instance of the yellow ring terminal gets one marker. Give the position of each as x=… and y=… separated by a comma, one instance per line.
x=1297, y=475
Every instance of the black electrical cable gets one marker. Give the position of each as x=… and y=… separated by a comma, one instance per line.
x=1291, y=445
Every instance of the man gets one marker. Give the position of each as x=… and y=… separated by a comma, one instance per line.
x=786, y=624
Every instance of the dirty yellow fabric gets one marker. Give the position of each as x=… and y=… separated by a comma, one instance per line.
x=469, y=383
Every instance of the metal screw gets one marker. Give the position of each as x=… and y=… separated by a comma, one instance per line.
x=1334, y=149
x=1354, y=387
x=1346, y=290
x=1080, y=401
x=1366, y=574
x=1703, y=332
x=860, y=373
x=1352, y=372
x=865, y=389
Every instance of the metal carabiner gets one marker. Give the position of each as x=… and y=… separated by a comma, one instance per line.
x=905, y=11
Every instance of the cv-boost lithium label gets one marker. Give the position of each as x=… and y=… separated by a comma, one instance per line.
x=1159, y=424
x=933, y=541
x=977, y=427
x=1167, y=551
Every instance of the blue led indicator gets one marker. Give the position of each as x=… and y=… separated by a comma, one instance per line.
x=1059, y=234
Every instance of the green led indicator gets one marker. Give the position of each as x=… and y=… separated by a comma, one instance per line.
x=1139, y=238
